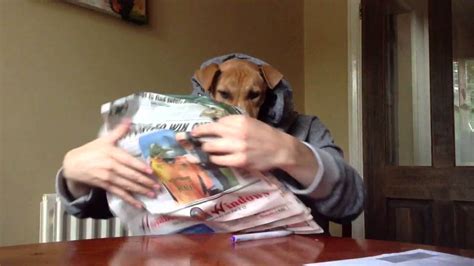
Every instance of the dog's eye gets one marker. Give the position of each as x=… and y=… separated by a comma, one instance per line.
x=253, y=95
x=224, y=94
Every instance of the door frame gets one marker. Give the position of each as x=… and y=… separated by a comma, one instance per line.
x=354, y=66
x=442, y=194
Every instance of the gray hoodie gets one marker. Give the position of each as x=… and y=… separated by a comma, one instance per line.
x=337, y=194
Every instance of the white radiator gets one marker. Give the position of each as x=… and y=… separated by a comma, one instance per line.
x=56, y=225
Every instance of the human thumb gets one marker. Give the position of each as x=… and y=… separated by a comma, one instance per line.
x=119, y=131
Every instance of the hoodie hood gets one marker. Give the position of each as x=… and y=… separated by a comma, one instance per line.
x=277, y=109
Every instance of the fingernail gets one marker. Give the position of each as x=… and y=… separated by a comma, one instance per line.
x=139, y=206
x=157, y=186
x=151, y=194
x=149, y=170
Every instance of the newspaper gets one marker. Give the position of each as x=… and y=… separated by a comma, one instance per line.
x=196, y=196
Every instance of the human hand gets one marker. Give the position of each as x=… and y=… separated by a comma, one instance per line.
x=244, y=142
x=100, y=163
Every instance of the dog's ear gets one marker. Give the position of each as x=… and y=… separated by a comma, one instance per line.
x=206, y=76
x=271, y=75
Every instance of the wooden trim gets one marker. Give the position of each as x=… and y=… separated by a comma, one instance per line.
x=453, y=171
x=347, y=230
x=441, y=83
x=418, y=182
x=373, y=112
x=391, y=100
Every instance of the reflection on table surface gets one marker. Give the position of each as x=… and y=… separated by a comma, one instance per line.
x=183, y=250
x=204, y=250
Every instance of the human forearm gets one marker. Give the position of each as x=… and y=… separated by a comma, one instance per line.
x=92, y=205
x=77, y=189
x=337, y=191
x=297, y=160
x=340, y=194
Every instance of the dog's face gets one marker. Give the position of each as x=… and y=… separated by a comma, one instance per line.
x=239, y=83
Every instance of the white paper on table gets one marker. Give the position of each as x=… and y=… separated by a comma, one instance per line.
x=408, y=258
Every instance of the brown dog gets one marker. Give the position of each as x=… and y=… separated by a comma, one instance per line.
x=239, y=82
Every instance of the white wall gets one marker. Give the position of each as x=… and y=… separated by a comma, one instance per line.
x=325, y=64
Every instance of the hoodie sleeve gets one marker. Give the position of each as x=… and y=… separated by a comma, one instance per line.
x=338, y=190
x=93, y=205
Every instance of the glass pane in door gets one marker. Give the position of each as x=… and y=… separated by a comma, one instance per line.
x=463, y=79
x=409, y=88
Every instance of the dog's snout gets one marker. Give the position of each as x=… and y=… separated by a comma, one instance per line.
x=249, y=110
x=246, y=109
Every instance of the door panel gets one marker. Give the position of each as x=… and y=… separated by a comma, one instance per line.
x=464, y=219
x=410, y=220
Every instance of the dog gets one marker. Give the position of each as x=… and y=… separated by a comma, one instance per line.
x=239, y=82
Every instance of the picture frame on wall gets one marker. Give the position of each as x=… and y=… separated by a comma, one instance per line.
x=129, y=10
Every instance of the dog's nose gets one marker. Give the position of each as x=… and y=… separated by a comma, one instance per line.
x=242, y=107
x=247, y=110
x=240, y=110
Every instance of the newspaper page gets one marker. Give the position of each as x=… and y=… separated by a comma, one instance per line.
x=196, y=196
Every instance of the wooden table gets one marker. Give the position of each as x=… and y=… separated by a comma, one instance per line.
x=203, y=250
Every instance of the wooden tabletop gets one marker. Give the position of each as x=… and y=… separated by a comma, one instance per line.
x=203, y=250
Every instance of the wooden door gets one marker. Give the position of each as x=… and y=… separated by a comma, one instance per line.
x=423, y=193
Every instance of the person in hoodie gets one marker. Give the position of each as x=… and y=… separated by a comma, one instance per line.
x=301, y=153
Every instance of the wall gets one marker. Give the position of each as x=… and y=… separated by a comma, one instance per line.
x=59, y=62
x=325, y=68
x=325, y=65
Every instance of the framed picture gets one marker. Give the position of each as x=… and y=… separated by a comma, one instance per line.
x=129, y=10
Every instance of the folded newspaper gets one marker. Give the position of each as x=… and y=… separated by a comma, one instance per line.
x=196, y=196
